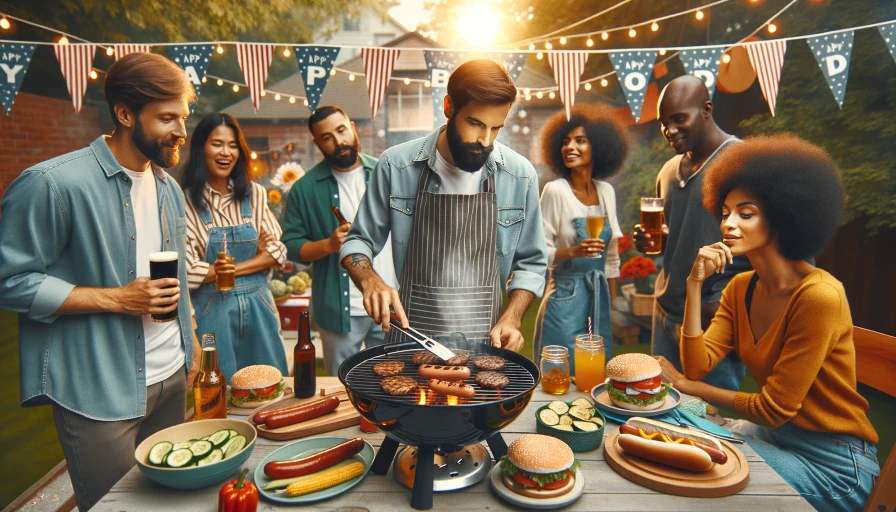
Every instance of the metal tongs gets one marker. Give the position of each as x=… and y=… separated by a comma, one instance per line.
x=428, y=343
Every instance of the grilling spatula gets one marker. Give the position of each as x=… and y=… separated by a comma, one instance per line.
x=428, y=343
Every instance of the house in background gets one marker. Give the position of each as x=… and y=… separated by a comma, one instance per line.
x=368, y=29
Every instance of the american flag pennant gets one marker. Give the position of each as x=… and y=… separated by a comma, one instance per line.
x=568, y=67
x=76, y=61
x=378, y=64
x=120, y=50
x=888, y=32
x=255, y=61
x=767, y=58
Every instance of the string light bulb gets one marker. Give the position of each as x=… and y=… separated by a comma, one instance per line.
x=110, y=51
x=654, y=26
x=286, y=52
x=632, y=32
x=539, y=55
x=548, y=45
x=93, y=74
x=4, y=23
x=333, y=72
x=562, y=40
x=236, y=88
x=427, y=83
x=699, y=15
x=527, y=91
x=539, y=95
x=588, y=86
x=528, y=97
x=63, y=40
x=726, y=58
x=551, y=95
x=219, y=49
x=264, y=93
x=254, y=155
x=220, y=82
x=531, y=46
x=603, y=82
x=277, y=97
x=604, y=36
x=407, y=81
x=662, y=51
x=204, y=79
x=305, y=102
x=292, y=99
x=351, y=77
x=589, y=43
x=772, y=28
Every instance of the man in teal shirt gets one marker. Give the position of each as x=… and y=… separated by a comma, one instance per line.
x=312, y=234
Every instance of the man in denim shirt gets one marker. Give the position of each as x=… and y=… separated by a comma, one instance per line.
x=465, y=222
x=75, y=238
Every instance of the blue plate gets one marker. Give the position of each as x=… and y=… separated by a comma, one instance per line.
x=602, y=401
x=301, y=449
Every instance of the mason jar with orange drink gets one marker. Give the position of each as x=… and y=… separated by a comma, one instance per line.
x=590, y=359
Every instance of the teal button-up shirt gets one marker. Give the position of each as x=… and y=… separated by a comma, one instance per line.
x=309, y=218
x=388, y=206
x=68, y=222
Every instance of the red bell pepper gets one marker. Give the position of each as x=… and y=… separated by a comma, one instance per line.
x=238, y=495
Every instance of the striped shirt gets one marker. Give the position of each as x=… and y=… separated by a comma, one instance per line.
x=225, y=211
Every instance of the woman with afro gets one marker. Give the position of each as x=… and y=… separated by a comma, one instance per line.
x=780, y=201
x=584, y=150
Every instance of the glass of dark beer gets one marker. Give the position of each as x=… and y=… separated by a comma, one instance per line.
x=163, y=265
x=652, y=220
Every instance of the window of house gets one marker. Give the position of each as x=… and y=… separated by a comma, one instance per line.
x=381, y=38
x=410, y=108
x=351, y=24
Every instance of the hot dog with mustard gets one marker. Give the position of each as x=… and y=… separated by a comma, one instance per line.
x=670, y=445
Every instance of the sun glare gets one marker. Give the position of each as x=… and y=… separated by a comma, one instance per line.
x=478, y=26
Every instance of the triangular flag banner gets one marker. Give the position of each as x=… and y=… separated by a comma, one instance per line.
x=568, y=67
x=315, y=63
x=76, y=62
x=633, y=70
x=832, y=52
x=512, y=62
x=378, y=64
x=194, y=58
x=14, y=61
x=888, y=32
x=255, y=61
x=120, y=50
x=767, y=59
x=440, y=65
x=704, y=64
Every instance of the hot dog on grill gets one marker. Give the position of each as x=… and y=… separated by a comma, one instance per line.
x=302, y=412
x=313, y=463
x=442, y=372
x=458, y=389
x=670, y=445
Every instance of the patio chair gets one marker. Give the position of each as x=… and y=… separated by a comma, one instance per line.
x=875, y=367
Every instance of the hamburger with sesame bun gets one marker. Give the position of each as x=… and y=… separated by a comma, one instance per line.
x=633, y=382
x=255, y=385
x=539, y=466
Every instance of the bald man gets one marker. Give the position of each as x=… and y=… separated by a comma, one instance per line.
x=685, y=116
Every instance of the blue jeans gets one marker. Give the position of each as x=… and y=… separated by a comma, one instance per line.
x=832, y=471
x=666, y=341
x=338, y=346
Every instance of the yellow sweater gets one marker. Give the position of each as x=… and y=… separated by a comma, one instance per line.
x=805, y=364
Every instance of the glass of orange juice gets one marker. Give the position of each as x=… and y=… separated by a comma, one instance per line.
x=590, y=360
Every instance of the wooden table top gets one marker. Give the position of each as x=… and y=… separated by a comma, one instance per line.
x=604, y=488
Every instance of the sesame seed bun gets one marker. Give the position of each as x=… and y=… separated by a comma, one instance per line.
x=632, y=367
x=537, y=453
x=255, y=377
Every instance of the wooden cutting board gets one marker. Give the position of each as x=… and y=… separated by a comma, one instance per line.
x=722, y=480
x=344, y=416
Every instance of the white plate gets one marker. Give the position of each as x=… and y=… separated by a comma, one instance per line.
x=497, y=481
x=602, y=401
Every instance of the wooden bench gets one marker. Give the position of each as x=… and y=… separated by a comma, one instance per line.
x=876, y=367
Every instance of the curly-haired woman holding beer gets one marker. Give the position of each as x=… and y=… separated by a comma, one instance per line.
x=580, y=225
x=780, y=201
x=233, y=240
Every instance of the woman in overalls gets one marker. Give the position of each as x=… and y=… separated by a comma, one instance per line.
x=585, y=149
x=225, y=208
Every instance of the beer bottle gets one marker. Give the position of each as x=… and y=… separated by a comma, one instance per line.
x=210, y=386
x=303, y=360
x=225, y=280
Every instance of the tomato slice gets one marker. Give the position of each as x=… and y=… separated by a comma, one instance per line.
x=266, y=391
x=522, y=480
x=618, y=385
x=557, y=484
x=647, y=383
x=239, y=393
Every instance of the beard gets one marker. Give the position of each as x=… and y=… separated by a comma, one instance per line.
x=164, y=152
x=346, y=160
x=463, y=153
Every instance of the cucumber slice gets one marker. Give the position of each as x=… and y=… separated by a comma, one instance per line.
x=580, y=413
x=219, y=438
x=233, y=433
x=582, y=402
x=597, y=421
x=183, y=444
x=204, y=438
x=179, y=458
x=234, y=446
x=566, y=419
x=564, y=427
x=158, y=452
x=549, y=417
x=216, y=455
x=558, y=406
x=201, y=448
x=585, y=426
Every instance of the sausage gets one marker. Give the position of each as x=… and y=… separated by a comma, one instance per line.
x=442, y=372
x=682, y=456
x=717, y=456
x=315, y=462
x=259, y=417
x=303, y=412
x=458, y=389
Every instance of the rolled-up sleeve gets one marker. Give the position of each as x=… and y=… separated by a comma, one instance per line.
x=269, y=225
x=372, y=224
x=197, y=239
x=530, y=259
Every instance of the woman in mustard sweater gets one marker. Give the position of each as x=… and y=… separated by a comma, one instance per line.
x=780, y=201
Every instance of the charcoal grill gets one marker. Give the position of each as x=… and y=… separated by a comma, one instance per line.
x=437, y=425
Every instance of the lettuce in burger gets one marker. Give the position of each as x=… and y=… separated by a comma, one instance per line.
x=539, y=466
x=255, y=385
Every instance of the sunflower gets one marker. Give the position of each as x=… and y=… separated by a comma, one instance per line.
x=274, y=196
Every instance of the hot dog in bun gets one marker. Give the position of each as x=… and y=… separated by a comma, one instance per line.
x=670, y=445
x=633, y=382
x=539, y=466
x=255, y=385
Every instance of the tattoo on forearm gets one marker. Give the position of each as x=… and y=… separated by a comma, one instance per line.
x=360, y=262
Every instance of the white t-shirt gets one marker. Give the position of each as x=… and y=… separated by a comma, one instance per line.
x=164, y=351
x=455, y=180
x=351, y=189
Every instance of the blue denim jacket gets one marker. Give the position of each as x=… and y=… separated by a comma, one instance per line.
x=68, y=222
x=391, y=197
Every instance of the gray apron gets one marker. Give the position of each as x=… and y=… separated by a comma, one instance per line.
x=450, y=278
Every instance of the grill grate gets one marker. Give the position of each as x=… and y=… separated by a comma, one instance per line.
x=362, y=380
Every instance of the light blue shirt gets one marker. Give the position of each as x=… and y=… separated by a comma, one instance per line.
x=68, y=222
x=388, y=206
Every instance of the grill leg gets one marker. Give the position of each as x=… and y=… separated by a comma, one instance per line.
x=384, y=456
x=497, y=445
x=421, y=495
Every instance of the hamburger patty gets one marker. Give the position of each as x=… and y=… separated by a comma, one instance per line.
x=388, y=368
x=489, y=363
x=399, y=385
x=426, y=357
x=492, y=380
x=459, y=359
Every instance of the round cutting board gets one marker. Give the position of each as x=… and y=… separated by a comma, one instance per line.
x=722, y=480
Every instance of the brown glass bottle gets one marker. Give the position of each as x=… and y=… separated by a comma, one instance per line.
x=303, y=359
x=210, y=386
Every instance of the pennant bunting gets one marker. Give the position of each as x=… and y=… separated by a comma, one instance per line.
x=832, y=53
x=568, y=67
x=888, y=32
x=440, y=65
x=76, y=61
x=704, y=64
x=14, y=61
x=378, y=65
x=767, y=58
x=120, y=50
x=194, y=58
x=512, y=62
x=255, y=61
x=315, y=63
x=633, y=70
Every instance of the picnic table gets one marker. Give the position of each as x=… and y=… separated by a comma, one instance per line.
x=604, y=488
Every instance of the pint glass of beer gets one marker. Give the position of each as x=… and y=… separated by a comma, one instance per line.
x=652, y=220
x=163, y=265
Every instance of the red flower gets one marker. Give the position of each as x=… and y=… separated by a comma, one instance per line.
x=625, y=243
x=638, y=267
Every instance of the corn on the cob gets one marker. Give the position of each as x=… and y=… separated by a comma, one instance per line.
x=326, y=479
